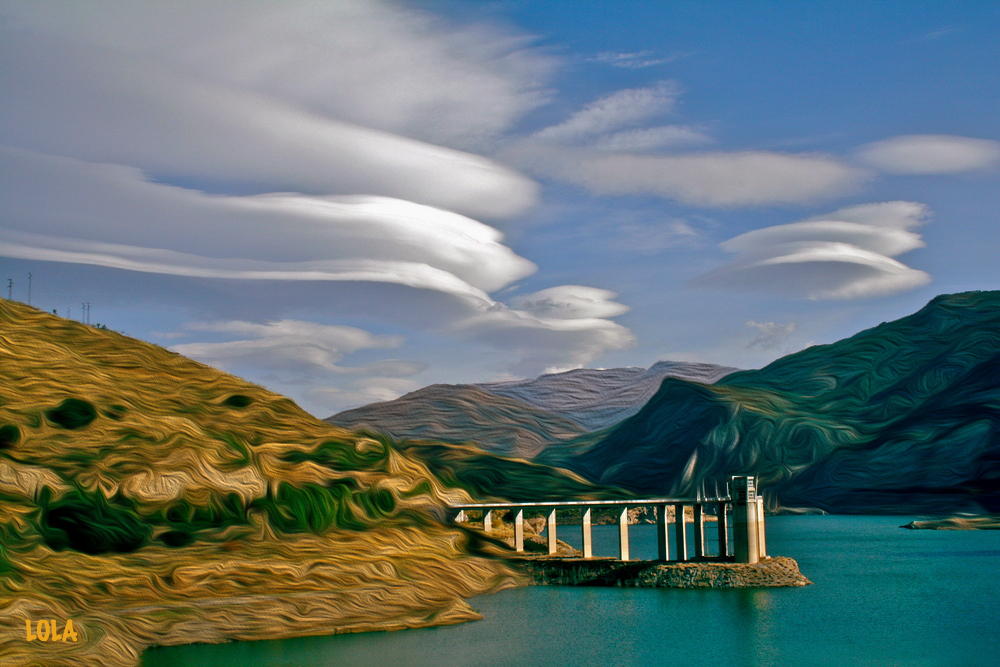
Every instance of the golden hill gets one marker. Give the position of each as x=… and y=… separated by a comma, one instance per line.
x=153, y=500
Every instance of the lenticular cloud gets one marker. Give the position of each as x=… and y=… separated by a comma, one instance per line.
x=846, y=254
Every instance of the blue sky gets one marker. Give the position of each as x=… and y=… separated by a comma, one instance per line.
x=346, y=201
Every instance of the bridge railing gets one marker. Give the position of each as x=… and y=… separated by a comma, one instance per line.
x=743, y=504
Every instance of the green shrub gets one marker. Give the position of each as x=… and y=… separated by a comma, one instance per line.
x=89, y=523
x=376, y=503
x=72, y=414
x=9, y=436
x=220, y=513
x=315, y=509
x=238, y=401
x=116, y=412
x=340, y=455
x=177, y=538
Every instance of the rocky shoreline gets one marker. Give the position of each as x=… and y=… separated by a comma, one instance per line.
x=557, y=571
x=991, y=522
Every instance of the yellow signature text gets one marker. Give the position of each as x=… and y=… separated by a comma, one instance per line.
x=49, y=630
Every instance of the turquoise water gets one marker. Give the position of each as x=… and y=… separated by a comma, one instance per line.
x=881, y=596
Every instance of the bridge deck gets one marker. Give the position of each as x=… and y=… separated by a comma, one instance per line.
x=746, y=507
x=630, y=502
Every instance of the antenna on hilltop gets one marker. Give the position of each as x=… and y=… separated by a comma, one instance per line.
x=10, y=289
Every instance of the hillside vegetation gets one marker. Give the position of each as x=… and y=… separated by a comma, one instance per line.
x=154, y=500
x=903, y=417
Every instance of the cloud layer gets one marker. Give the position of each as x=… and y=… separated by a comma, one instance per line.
x=607, y=148
x=931, y=154
x=341, y=149
x=718, y=179
x=107, y=215
x=611, y=112
x=377, y=64
x=288, y=346
x=846, y=254
x=91, y=104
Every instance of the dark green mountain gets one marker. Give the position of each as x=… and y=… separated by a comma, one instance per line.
x=904, y=417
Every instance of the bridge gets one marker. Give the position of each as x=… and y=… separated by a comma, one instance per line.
x=743, y=504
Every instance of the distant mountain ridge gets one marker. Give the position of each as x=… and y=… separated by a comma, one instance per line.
x=901, y=417
x=598, y=398
x=463, y=413
x=522, y=417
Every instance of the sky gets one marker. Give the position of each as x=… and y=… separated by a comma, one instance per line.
x=345, y=201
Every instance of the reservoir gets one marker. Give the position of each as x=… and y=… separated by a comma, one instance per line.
x=881, y=595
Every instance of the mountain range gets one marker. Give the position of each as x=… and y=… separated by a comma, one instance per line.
x=900, y=418
x=521, y=418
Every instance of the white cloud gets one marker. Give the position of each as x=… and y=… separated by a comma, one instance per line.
x=620, y=109
x=77, y=211
x=631, y=60
x=288, y=346
x=717, y=179
x=885, y=241
x=563, y=327
x=373, y=63
x=931, y=154
x=600, y=148
x=846, y=254
x=331, y=400
x=652, y=238
x=303, y=356
x=59, y=209
x=91, y=104
x=772, y=335
x=571, y=302
x=890, y=214
x=652, y=138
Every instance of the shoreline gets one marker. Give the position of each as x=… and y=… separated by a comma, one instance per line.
x=988, y=522
x=769, y=572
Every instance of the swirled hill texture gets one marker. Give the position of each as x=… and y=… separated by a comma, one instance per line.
x=154, y=500
x=903, y=417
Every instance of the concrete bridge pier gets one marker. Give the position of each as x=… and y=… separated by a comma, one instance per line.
x=550, y=525
x=588, y=541
x=680, y=534
x=488, y=521
x=623, y=534
x=519, y=530
x=746, y=529
x=662, y=534
x=761, y=550
x=699, y=531
x=723, y=527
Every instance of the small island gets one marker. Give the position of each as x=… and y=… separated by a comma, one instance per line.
x=562, y=571
x=959, y=522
